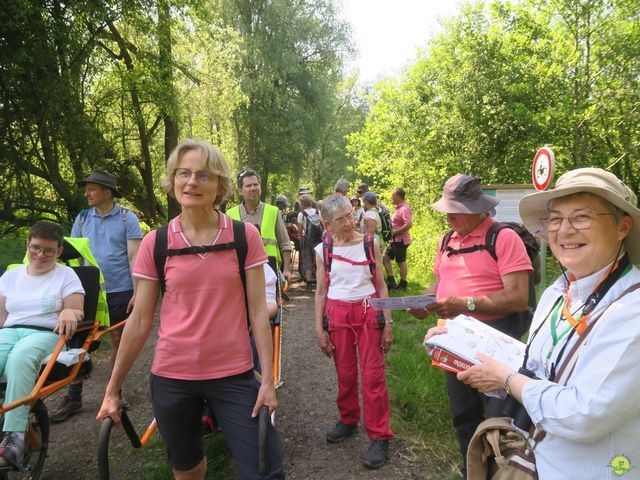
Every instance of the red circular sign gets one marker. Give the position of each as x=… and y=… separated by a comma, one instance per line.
x=543, y=168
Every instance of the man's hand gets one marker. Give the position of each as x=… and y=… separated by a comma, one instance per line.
x=449, y=307
x=130, y=304
x=287, y=275
x=266, y=396
x=325, y=343
x=387, y=338
x=67, y=323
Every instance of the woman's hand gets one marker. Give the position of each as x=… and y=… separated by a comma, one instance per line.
x=387, y=338
x=420, y=313
x=67, y=323
x=488, y=376
x=325, y=343
x=110, y=408
x=266, y=396
x=439, y=330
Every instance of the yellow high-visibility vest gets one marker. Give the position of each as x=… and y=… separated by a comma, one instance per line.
x=267, y=229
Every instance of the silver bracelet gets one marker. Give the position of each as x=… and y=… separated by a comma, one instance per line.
x=507, y=382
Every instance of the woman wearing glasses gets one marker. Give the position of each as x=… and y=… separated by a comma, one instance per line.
x=39, y=302
x=354, y=332
x=584, y=343
x=203, y=351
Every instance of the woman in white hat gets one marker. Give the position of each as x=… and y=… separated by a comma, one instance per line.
x=581, y=387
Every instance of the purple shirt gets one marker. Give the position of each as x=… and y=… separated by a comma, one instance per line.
x=401, y=217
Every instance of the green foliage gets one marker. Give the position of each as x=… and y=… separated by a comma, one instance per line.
x=12, y=248
x=501, y=81
x=420, y=406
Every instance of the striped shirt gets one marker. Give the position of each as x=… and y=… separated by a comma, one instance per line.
x=592, y=423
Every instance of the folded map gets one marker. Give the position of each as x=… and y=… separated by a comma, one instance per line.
x=467, y=336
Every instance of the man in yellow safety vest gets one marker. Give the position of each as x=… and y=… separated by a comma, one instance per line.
x=264, y=216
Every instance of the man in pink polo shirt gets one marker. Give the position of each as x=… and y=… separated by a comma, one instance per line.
x=469, y=281
x=401, y=222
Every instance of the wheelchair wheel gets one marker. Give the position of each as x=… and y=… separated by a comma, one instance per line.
x=105, y=436
x=103, y=448
x=36, y=446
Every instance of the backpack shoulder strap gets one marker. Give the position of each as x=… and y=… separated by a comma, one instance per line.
x=241, y=247
x=327, y=253
x=492, y=238
x=83, y=218
x=445, y=240
x=160, y=254
x=123, y=213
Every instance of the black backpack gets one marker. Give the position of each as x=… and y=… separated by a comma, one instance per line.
x=313, y=228
x=530, y=244
x=385, y=224
x=239, y=244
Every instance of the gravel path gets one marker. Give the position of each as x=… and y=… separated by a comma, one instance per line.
x=307, y=409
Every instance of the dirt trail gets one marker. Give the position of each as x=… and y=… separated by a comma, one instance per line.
x=307, y=409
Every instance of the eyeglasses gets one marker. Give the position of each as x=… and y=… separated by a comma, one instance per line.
x=184, y=174
x=342, y=220
x=577, y=220
x=35, y=249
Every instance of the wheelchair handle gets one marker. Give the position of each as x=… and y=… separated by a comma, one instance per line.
x=263, y=426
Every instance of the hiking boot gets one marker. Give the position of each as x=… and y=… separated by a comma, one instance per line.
x=377, y=454
x=391, y=283
x=66, y=408
x=309, y=287
x=340, y=431
x=12, y=449
x=402, y=285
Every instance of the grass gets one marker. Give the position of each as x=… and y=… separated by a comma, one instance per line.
x=218, y=455
x=420, y=406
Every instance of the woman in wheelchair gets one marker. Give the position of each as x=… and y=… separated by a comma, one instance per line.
x=39, y=302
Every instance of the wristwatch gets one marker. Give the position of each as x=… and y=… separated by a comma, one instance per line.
x=471, y=304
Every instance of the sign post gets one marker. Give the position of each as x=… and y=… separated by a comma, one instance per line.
x=544, y=165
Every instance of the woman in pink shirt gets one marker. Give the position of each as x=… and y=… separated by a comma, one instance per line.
x=203, y=352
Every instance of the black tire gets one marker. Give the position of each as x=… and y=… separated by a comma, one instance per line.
x=103, y=448
x=35, y=454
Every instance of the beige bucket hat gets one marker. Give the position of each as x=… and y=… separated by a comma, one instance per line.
x=533, y=207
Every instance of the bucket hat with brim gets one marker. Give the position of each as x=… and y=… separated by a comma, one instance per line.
x=102, y=178
x=463, y=194
x=534, y=207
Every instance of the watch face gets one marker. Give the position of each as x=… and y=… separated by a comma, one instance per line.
x=471, y=306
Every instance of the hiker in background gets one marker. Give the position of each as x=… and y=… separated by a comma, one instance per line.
x=371, y=222
x=589, y=413
x=310, y=224
x=354, y=332
x=283, y=204
x=304, y=191
x=271, y=225
x=203, y=351
x=358, y=211
x=114, y=239
x=467, y=280
x=342, y=187
x=401, y=223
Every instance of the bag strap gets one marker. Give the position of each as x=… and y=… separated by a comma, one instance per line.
x=569, y=364
x=327, y=251
x=160, y=254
